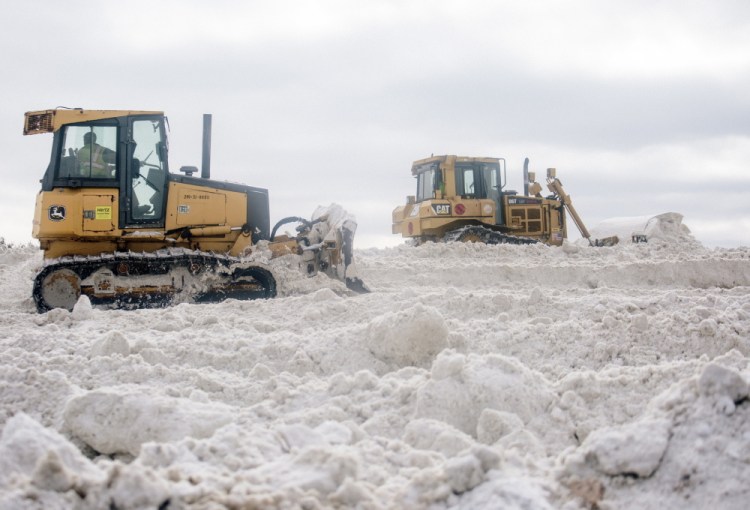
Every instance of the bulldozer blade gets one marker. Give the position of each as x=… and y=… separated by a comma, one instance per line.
x=355, y=284
x=337, y=229
x=607, y=241
x=352, y=280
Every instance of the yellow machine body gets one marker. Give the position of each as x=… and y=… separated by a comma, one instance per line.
x=208, y=219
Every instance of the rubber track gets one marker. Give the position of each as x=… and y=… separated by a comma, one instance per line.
x=160, y=262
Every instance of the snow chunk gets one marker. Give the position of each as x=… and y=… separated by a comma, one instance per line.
x=708, y=327
x=464, y=473
x=411, y=337
x=134, y=486
x=484, y=382
x=83, y=310
x=299, y=436
x=114, y=343
x=631, y=449
x=119, y=422
x=447, y=364
x=494, y=425
x=435, y=435
x=717, y=381
x=42, y=455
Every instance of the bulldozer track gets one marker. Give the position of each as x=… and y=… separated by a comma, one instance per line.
x=150, y=279
x=479, y=234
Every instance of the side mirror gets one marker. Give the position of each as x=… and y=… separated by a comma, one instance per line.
x=411, y=199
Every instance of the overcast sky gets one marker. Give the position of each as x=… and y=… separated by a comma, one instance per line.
x=642, y=106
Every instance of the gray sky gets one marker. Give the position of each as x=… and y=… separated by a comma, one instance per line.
x=642, y=106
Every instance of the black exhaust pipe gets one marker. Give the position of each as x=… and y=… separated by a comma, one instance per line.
x=206, y=163
x=526, y=177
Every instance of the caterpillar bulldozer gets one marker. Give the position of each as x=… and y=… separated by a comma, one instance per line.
x=465, y=199
x=117, y=226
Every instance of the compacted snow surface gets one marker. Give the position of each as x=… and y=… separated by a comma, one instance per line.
x=472, y=376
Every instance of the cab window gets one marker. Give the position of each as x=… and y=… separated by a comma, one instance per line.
x=466, y=185
x=426, y=183
x=88, y=152
x=477, y=180
x=490, y=174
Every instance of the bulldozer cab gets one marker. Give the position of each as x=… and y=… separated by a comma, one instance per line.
x=465, y=178
x=126, y=153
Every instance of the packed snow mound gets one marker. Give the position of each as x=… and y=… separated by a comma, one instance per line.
x=665, y=227
x=464, y=389
x=408, y=337
x=472, y=376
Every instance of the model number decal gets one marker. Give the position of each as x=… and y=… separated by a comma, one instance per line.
x=442, y=209
x=195, y=196
x=517, y=201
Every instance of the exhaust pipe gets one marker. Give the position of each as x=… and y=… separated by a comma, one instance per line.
x=526, y=177
x=206, y=162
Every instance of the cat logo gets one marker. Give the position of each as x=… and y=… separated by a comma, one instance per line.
x=442, y=209
x=56, y=212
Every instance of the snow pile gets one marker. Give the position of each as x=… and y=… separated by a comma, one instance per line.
x=691, y=448
x=471, y=377
x=665, y=227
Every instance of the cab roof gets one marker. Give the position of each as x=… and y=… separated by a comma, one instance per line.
x=49, y=121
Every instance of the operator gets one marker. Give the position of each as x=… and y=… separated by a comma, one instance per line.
x=94, y=158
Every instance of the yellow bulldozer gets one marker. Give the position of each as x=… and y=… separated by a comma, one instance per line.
x=117, y=226
x=465, y=199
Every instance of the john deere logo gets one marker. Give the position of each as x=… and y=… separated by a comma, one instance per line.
x=56, y=212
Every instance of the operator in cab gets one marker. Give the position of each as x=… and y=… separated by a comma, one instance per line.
x=95, y=160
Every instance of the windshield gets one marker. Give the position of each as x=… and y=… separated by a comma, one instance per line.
x=425, y=182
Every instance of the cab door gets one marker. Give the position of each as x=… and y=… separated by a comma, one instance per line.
x=145, y=187
x=99, y=212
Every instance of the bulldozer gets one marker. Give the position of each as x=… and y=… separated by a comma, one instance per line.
x=466, y=199
x=117, y=226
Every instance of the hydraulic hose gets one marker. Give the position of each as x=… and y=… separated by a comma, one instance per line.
x=289, y=219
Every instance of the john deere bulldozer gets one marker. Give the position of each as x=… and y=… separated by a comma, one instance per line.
x=466, y=199
x=117, y=226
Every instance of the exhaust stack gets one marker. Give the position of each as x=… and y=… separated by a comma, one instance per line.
x=526, y=177
x=206, y=162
